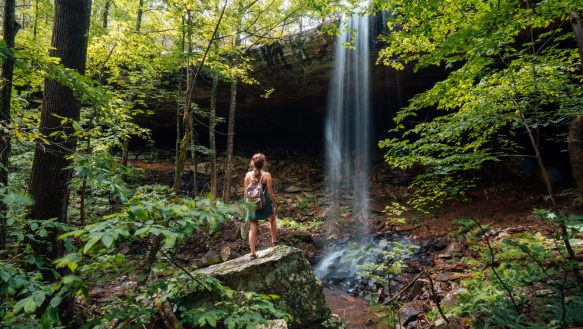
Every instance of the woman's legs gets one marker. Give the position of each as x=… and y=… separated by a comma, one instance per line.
x=273, y=229
x=252, y=235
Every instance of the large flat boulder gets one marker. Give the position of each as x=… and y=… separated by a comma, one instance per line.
x=283, y=271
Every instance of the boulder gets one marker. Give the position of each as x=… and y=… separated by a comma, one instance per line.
x=210, y=258
x=274, y=324
x=451, y=299
x=283, y=271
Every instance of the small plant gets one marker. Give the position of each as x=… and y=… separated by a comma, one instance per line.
x=395, y=213
x=310, y=225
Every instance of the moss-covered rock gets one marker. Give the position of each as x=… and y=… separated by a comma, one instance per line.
x=283, y=271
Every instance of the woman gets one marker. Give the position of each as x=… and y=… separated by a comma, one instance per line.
x=269, y=211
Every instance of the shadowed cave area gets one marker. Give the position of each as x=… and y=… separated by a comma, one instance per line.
x=287, y=108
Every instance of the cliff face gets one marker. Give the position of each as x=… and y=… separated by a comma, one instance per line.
x=298, y=70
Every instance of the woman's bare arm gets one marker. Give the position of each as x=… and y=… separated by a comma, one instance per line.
x=269, y=182
x=246, y=182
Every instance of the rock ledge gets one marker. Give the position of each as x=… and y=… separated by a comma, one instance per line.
x=283, y=271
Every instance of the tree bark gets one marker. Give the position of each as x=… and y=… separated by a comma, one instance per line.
x=179, y=91
x=578, y=29
x=576, y=151
x=125, y=153
x=139, y=17
x=49, y=177
x=106, y=13
x=34, y=30
x=230, y=143
x=125, y=150
x=193, y=158
x=9, y=33
x=212, y=134
x=186, y=115
x=187, y=118
x=576, y=127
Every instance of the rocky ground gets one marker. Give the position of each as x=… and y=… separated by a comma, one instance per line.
x=433, y=271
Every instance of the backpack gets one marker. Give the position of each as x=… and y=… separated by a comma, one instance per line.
x=255, y=193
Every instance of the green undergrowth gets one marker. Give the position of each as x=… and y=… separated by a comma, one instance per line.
x=310, y=225
x=509, y=280
x=125, y=224
x=524, y=280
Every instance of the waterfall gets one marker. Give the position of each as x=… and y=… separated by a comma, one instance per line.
x=348, y=122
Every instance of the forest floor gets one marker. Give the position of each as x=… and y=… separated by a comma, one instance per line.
x=504, y=207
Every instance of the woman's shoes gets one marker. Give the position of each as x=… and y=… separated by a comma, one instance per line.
x=253, y=256
x=274, y=243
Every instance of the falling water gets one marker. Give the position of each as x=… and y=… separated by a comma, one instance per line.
x=348, y=150
x=348, y=121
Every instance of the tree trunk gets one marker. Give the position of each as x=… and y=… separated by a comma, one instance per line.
x=212, y=134
x=125, y=154
x=193, y=141
x=230, y=143
x=125, y=150
x=576, y=151
x=139, y=18
x=34, y=32
x=179, y=91
x=49, y=176
x=10, y=30
x=578, y=29
x=576, y=127
x=187, y=118
x=106, y=13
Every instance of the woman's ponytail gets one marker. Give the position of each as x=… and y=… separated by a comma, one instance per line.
x=258, y=161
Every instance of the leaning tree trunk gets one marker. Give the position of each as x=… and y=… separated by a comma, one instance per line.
x=49, y=176
x=576, y=126
x=187, y=119
x=10, y=30
x=212, y=133
x=230, y=143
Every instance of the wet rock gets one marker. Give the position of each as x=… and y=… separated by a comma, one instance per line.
x=283, y=271
x=451, y=250
x=274, y=324
x=228, y=253
x=435, y=244
x=409, y=312
x=447, y=276
x=210, y=258
x=451, y=299
x=293, y=189
x=439, y=324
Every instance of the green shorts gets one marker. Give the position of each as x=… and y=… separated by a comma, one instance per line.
x=252, y=214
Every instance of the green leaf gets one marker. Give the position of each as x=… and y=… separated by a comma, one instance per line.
x=5, y=276
x=70, y=260
x=20, y=305
x=30, y=306
x=107, y=240
x=212, y=320
x=202, y=321
x=91, y=243
x=39, y=297
x=55, y=301
x=70, y=279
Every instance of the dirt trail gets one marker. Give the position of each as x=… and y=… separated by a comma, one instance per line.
x=353, y=311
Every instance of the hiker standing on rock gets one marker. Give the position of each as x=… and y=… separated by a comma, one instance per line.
x=259, y=201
